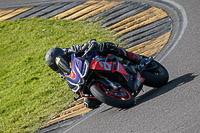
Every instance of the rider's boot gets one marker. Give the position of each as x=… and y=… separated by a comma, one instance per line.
x=135, y=58
x=92, y=103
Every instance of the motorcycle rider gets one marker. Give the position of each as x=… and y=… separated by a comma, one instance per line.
x=58, y=59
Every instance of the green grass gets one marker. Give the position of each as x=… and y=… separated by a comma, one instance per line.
x=30, y=92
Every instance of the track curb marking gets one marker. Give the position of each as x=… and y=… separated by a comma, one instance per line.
x=13, y=13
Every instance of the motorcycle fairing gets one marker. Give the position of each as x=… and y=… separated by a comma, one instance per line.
x=117, y=67
x=100, y=64
x=74, y=77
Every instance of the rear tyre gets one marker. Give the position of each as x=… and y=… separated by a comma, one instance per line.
x=156, y=77
x=120, y=99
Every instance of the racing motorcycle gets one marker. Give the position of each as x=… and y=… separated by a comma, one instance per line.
x=110, y=79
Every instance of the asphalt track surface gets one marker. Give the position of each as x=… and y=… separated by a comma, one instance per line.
x=174, y=108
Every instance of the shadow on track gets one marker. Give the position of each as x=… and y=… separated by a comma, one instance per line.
x=159, y=91
x=168, y=87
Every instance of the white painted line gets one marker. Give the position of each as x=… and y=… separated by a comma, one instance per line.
x=183, y=21
x=79, y=121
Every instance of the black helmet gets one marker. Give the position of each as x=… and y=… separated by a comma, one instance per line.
x=51, y=56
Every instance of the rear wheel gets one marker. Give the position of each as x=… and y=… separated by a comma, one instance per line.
x=156, y=77
x=120, y=98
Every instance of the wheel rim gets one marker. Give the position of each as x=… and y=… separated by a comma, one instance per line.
x=121, y=94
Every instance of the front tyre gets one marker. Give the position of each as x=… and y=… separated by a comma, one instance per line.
x=156, y=77
x=120, y=98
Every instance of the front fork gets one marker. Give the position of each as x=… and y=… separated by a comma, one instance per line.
x=115, y=86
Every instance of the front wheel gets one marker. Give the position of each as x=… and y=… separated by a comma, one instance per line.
x=156, y=77
x=121, y=98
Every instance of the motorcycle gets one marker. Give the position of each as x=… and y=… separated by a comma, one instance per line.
x=110, y=79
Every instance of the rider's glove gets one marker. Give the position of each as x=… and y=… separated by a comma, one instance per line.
x=92, y=44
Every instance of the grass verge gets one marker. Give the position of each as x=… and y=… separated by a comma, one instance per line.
x=30, y=91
